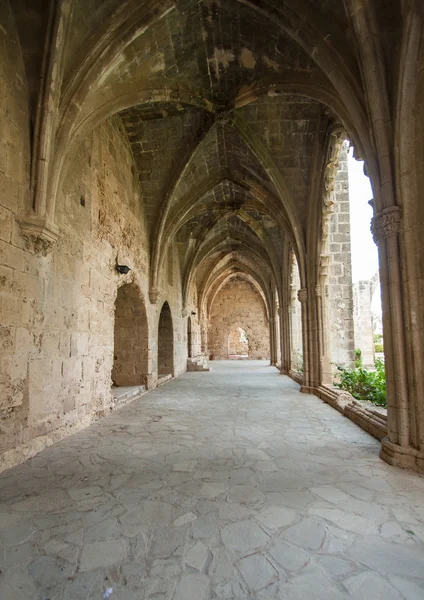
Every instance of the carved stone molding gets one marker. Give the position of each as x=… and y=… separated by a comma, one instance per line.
x=302, y=295
x=39, y=235
x=153, y=295
x=324, y=261
x=386, y=224
x=318, y=291
x=184, y=313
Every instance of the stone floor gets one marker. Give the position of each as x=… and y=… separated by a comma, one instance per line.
x=227, y=484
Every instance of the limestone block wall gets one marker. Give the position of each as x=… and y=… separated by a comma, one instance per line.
x=340, y=270
x=57, y=311
x=364, y=334
x=239, y=304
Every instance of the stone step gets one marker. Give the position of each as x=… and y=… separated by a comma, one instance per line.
x=125, y=393
x=164, y=378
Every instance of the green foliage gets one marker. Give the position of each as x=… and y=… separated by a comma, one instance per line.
x=378, y=338
x=378, y=348
x=364, y=384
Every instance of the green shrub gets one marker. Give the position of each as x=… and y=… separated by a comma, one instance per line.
x=364, y=384
x=378, y=348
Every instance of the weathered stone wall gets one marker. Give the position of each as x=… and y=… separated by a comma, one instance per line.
x=340, y=270
x=238, y=304
x=58, y=311
x=364, y=334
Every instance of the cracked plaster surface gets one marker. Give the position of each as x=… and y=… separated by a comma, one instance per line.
x=220, y=485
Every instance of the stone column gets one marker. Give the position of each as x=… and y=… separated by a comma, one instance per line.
x=273, y=353
x=285, y=342
x=302, y=296
x=326, y=374
x=398, y=446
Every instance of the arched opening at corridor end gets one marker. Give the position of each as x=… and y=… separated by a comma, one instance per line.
x=130, y=357
x=238, y=344
x=165, y=342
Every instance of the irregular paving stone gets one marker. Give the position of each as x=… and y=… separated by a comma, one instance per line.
x=309, y=533
x=184, y=519
x=388, y=558
x=257, y=571
x=275, y=517
x=410, y=590
x=289, y=557
x=370, y=585
x=168, y=541
x=196, y=556
x=243, y=537
x=246, y=494
x=103, y=554
x=212, y=490
x=311, y=585
x=143, y=499
x=192, y=587
x=337, y=567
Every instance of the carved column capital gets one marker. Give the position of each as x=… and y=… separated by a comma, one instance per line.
x=153, y=295
x=318, y=291
x=386, y=224
x=39, y=234
x=302, y=295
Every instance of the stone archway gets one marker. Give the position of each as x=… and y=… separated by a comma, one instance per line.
x=130, y=356
x=165, y=342
x=238, y=343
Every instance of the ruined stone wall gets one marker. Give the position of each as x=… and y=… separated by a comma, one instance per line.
x=340, y=270
x=239, y=304
x=364, y=334
x=57, y=311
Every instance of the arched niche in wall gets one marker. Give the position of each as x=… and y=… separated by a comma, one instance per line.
x=238, y=343
x=130, y=356
x=165, y=342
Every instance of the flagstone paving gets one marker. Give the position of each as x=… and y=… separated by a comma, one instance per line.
x=220, y=485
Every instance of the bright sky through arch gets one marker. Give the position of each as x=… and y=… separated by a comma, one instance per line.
x=364, y=251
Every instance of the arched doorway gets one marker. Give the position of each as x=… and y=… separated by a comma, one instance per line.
x=189, y=339
x=165, y=342
x=238, y=343
x=130, y=356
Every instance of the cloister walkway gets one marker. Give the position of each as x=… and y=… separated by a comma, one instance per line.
x=220, y=485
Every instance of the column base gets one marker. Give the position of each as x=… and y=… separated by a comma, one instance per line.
x=306, y=389
x=402, y=456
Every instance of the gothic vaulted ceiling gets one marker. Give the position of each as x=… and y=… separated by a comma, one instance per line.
x=227, y=105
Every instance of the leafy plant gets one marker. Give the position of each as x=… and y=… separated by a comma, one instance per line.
x=362, y=383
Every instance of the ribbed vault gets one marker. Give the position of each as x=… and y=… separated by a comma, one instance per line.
x=227, y=108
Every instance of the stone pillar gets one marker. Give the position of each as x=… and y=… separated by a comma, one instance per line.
x=273, y=349
x=398, y=447
x=302, y=296
x=323, y=322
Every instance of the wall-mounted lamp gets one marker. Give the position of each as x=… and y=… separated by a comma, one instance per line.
x=122, y=269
